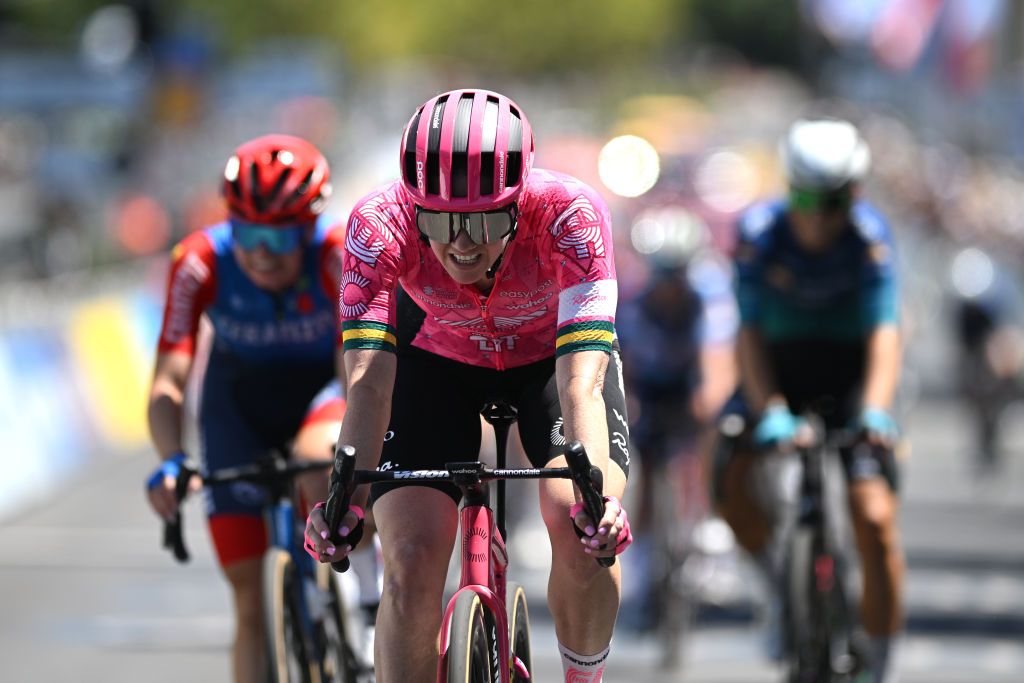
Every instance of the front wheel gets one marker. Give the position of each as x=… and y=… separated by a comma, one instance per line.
x=469, y=648
x=519, y=629
x=337, y=631
x=287, y=656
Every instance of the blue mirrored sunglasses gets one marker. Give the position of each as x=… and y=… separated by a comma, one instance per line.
x=278, y=239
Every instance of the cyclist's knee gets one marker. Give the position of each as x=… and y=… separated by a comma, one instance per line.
x=245, y=578
x=414, y=568
x=873, y=509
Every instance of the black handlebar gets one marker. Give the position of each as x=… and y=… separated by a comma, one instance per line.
x=339, y=497
x=174, y=535
x=274, y=469
x=590, y=481
x=345, y=477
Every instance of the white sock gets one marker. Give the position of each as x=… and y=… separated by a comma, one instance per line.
x=883, y=655
x=583, y=668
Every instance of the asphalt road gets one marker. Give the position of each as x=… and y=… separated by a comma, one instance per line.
x=87, y=595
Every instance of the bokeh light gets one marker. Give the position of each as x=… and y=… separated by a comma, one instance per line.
x=628, y=165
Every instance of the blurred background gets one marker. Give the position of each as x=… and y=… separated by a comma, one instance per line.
x=116, y=120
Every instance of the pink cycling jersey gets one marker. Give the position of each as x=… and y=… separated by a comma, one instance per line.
x=554, y=292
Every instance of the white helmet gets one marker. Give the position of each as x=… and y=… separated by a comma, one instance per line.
x=824, y=154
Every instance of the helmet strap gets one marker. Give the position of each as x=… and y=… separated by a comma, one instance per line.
x=497, y=262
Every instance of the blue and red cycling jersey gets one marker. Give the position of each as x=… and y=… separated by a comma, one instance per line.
x=252, y=324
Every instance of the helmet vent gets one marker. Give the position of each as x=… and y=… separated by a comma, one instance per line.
x=410, y=149
x=490, y=135
x=514, y=164
x=460, y=147
x=434, y=147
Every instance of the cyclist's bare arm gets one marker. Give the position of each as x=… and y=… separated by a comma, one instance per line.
x=718, y=380
x=371, y=379
x=580, y=378
x=371, y=374
x=166, y=399
x=883, y=366
x=759, y=386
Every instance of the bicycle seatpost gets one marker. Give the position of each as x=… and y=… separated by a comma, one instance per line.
x=501, y=416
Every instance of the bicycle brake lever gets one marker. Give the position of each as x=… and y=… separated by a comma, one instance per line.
x=339, y=497
x=589, y=479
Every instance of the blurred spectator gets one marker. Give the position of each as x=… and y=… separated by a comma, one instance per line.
x=990, y=346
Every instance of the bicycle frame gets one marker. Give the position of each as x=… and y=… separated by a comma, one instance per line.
x=832, y=636
x=484, y=555
x=484, y=566
x=283, y=527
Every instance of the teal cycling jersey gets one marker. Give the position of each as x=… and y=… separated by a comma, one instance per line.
x=841, y=294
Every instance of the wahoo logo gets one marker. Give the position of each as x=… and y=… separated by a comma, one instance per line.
x=422, y=474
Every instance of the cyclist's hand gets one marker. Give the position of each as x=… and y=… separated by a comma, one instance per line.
x=318, y=542
x=879, y=427
x=777, y=426
x=161, y=485
x=611, y=537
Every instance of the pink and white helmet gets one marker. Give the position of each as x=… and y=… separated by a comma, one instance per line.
x=466, y=150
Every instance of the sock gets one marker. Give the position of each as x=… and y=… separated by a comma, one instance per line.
x=883, y=654
x=583, y=668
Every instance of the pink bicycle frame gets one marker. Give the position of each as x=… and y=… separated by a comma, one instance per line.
x=484, y=562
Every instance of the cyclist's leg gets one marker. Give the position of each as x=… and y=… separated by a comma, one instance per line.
x=435, y=418
x=417, y=527
x=236, y=523
x=582, y=596
x=247, y=658
x=874, y=508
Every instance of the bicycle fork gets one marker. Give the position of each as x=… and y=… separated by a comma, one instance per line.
x=484, y=560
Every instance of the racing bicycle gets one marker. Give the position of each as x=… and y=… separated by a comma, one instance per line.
x=485, y=630
x=313, y=633
x=824, y=643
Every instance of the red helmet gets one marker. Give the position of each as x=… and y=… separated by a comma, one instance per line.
x=276, y=179
x=471, y=152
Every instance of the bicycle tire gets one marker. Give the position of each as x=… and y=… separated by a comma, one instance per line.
x=803, y=643
x=674, y=605
x=336, y=633
x=470, y=647
x=519, y=628
x=287, y=656
x=820, y=628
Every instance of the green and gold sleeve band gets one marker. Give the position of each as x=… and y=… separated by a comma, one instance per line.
x=367, y=335
x=592, y=335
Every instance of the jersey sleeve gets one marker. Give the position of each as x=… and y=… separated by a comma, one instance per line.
x=581, y=241
x=373, y=262
x=332, y=265
x=719, y=318
x=748, y=262
x=879, y=293
x=191, y=288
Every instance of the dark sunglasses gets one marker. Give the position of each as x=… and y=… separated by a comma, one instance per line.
x=278, y=239
x=483, y=227
x=816, y=200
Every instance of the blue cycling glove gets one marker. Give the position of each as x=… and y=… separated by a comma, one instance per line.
x=777, y=425
x=878, y=424
x=171, y=467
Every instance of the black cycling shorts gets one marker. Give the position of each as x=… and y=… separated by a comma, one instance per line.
x=435, y=413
